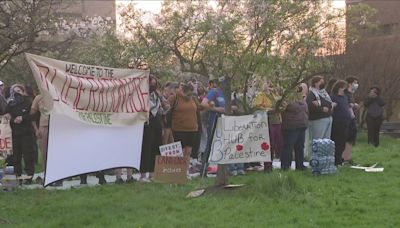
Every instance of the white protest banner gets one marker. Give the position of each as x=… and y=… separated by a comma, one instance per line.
x=75, y=148
x=171, y=150
x=92, y=94
x=97, y=116
x=241, y=139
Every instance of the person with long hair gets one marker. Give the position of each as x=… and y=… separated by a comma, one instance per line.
x=152, y=134
x=266, y=100
x=184, y=107
x=374, y=105
x=294, y=125
x=320, y=107
x=353, y=108
x=18, y=110
x=341, y=119
x=330, y=84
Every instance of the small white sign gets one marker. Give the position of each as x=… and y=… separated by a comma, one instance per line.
x=172, y=150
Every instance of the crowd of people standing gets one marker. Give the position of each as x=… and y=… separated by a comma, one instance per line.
x=186, y=111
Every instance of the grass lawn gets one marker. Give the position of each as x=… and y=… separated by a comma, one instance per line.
x=351, y=198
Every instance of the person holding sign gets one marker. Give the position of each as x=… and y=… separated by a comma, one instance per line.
x=18, y=108
x=184, y=107
x=152, y=135
x=214, y=102
x=294, y=125
x=41, y=132
x=266, y=100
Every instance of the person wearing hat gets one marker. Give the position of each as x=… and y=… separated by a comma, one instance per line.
x=18, y=109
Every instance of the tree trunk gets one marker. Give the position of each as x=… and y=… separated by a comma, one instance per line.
x=222, y=178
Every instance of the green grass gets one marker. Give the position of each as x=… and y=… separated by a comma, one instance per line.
x=351, y=198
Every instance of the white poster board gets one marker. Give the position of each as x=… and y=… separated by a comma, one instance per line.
x=241, y=139
x=76, y=148
x=172, y=150
x=97, y=115
x=95, y=95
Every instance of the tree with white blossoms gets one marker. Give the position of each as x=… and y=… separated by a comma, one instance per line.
x=38, y=26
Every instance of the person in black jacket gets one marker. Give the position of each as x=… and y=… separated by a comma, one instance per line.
x=294, y=125
x=374, y=105
x=18, y=108
x=341, y=119
x=320, y=108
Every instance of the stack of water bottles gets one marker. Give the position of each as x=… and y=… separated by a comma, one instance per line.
x=323, y=156
x=8, y=179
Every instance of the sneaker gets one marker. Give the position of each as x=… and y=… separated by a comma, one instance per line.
x=145, y=179
x=251, y=168
x=234, y=173
x=349, y=162
x=119, y=181
x=241, y=172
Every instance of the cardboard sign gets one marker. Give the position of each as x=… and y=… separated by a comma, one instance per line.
x=171, y=170
x=241, y=139
x=172, y=149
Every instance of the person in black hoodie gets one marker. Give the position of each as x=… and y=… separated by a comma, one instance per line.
x=18, y=108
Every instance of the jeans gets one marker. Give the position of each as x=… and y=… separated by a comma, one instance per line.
x=294, y=139
x=319, y=129
x=236, y=167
